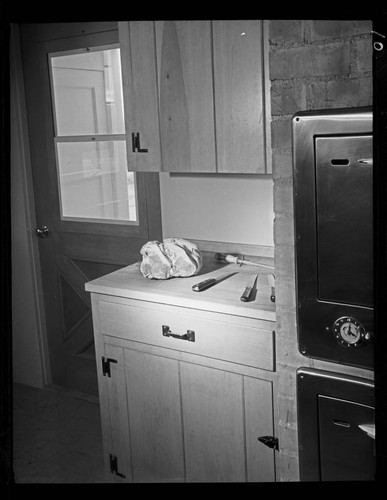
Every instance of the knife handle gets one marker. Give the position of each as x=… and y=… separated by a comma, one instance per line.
x=246, y=294
x=203, y=285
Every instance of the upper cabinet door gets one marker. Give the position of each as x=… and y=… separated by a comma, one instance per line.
x=137, y=43
x=239, y=96
x=184, y=61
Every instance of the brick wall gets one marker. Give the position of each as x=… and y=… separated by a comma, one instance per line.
x=313, y=65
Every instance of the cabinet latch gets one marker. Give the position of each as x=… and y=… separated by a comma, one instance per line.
x=136, y=146
x=269, y=441
x=106, y=365
x=114, y=466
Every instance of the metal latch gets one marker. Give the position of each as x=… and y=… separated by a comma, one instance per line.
x=114, y=466
x=136, y=143
x=269, y=441
x=366, y=161
x=106, y=365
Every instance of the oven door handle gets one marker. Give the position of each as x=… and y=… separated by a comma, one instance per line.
x=369, y=429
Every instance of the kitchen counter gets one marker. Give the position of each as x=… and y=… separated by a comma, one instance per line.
x=224, y=297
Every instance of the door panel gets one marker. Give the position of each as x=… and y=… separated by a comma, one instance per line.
x=75, y=251
x=346, y=452
x=153, y=391
x=344, y=219
x=117, y=414
x=239, y=102
x=213, y=424
x=137, y=41
x=259, y=422
x=184, y=62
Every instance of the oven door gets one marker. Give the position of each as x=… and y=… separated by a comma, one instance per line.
x=336, y=426
x=333, y=202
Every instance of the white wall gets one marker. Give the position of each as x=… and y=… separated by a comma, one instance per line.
x=226, y=208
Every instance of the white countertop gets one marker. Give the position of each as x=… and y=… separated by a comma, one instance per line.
x=224, y=297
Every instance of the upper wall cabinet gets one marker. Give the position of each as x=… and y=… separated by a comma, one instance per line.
x=195, y=96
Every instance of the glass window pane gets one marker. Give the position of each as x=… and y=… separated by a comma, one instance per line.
x=94, y=182
x=87, y=89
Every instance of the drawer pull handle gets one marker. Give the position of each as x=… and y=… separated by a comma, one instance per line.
x=190, y=335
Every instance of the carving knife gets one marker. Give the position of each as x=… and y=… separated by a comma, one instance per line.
x=203, y=285
x=222, y=257
x=249, y=291
x=271, y=280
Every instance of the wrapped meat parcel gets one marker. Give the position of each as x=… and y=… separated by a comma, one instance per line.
x=173, y=258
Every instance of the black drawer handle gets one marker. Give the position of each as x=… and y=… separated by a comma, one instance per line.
x=190, y=335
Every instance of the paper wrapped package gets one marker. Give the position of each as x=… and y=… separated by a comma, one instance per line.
x=174, y=257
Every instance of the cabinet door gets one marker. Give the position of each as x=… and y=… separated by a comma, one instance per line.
x=154, y=417
x=223, y=415
x=259, y=422
x=138, y=61
x=184, y=59
x=112, y=392
x=239, y=96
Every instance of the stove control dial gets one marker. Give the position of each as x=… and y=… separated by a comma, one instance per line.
x=349, y=332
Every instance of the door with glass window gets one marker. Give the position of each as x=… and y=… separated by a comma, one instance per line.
x=93, y=214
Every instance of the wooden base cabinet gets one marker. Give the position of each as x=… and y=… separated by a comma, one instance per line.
x=174, y=416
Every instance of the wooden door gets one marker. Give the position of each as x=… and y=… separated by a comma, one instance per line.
x=213, y=424
x=224, y=413
x=153, y=392
x=239, y=96
x=86, y=238
x=184, y=61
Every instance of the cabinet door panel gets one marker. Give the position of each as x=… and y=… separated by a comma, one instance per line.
x=119, y=443
x=137, y=41
x=213, y=424
x=155, y=417
x=184, y=58
x=238, y=80
x=259, y=422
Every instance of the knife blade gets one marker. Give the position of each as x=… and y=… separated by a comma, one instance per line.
x=203, y=285
x=249, y=290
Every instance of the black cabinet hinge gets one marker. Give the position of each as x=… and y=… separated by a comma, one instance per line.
x=114, y=466
x=269, y=441
x=106, y=365
x=136, y=147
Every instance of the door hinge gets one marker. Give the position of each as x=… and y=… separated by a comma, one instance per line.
x=269, y=441
x=114, y=466
x=106, y=365
x=136, y=143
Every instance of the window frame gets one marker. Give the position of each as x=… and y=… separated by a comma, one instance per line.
x=86, y=138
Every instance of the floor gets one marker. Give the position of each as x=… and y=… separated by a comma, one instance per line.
x=56, y=436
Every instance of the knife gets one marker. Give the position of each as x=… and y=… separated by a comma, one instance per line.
x=271, y=280
x=203, y=285
x=249, y=290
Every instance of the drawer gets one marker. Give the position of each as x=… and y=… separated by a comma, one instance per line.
x=185, y=330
